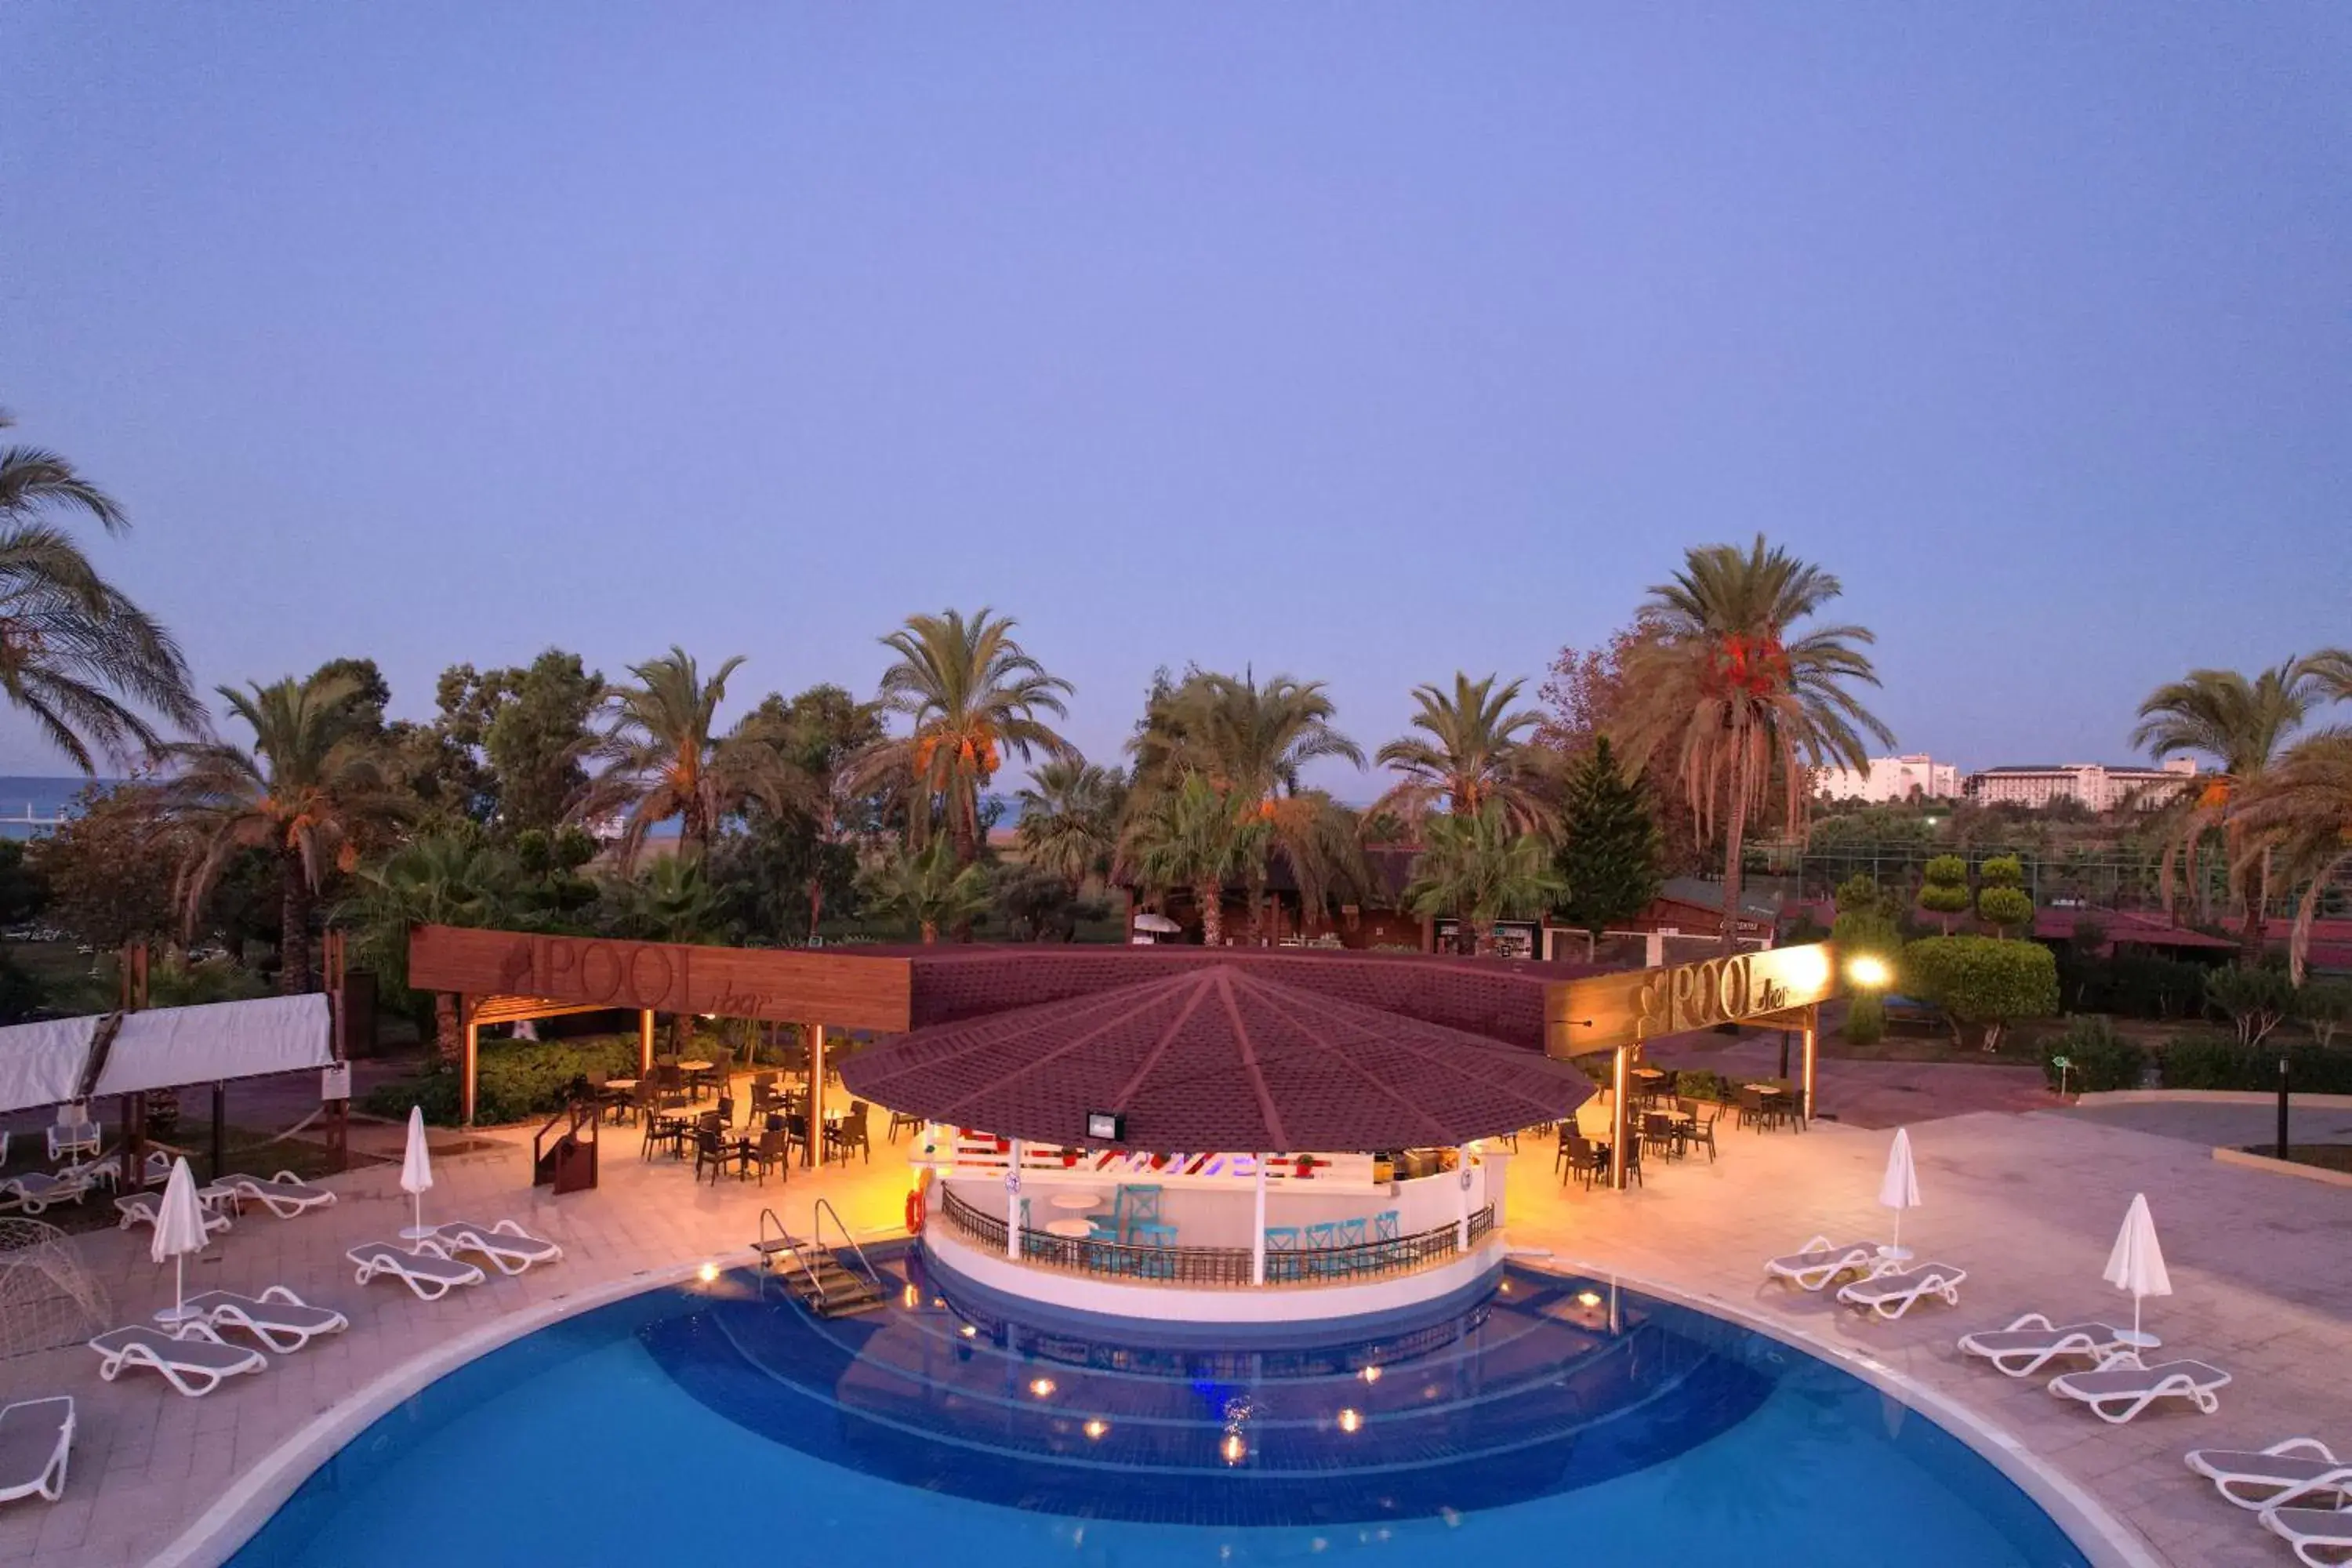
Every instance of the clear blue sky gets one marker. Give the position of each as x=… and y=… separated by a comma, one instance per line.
x=1363, y=342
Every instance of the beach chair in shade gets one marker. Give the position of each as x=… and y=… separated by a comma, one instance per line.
x=2033, y=1341
x=1896, y=1292
x=428, y=1271
x=2312, y=1531
x=141, y=1208
x=1820, y=1262
x=285, y=1194
x=277, y=1318
x=2122, y=1387
x=196, y=1361
x=2255, y=1479
x=36, y=1191
x=36, y=1442
x=509, y=1247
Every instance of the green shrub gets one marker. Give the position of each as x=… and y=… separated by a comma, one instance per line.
x=1699, y=1083
x=514, y=1080
x=1982, y=984
x=2004, y=908
x=2254, y=1000
x=1945, y=892
x=1865, y=1019
x=2325, y=1006
x=2211, y=1060
x=2099, y=1059
x=2204, y=1060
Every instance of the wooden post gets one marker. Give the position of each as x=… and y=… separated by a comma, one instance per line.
x=812, y=1151
x=645, y=1043
x=1621, y=1078
x=1812, y=1036
x=466, y=1086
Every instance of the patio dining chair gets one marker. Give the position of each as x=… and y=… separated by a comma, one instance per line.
x=1582, y=1159
x=904, y=1118
x=1660, y=1133
x=1386, y=1234
x=708, y=1152
x=774, y=1152
x=1700, y=1129
x=1152, y=1247
x=1281, y=1252
x=1134, y=1204
x=852, y=1131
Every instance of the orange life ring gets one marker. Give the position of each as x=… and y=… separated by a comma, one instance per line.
x=915, y=1211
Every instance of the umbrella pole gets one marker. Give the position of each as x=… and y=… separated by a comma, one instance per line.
x=178, y=1288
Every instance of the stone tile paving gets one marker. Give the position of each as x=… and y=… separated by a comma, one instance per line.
x=2262, y=1265
x=2230, y=1125
x=1882, y=1094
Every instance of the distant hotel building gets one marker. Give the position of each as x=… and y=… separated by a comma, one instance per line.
x=1890, y=778
x=2096, y=787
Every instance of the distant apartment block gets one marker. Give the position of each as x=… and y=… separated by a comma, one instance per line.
x=2095, y=786
x=1890, y=778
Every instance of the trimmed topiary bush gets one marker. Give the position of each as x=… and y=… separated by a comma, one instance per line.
x=1982, y=983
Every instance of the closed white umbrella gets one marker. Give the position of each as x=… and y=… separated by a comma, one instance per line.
x=1149, y=921
x=1899, y=1189
x=2137, y=1265
x=416, y=1171
x=179, y=1230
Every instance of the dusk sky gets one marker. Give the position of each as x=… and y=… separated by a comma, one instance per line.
x=1359, y=342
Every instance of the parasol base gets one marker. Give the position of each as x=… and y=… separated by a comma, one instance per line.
x=172, y=1317
x=1896, y=1254
x=418, y=1233
x=2133, y=1340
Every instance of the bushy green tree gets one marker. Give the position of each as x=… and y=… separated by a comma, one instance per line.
x=2255, y=999
x=2325, y=1006
x=1981, y=984
x=1865, y=924
x=1945, y=892
x=925, y=887
x=1608, y=843
x=1480, y=870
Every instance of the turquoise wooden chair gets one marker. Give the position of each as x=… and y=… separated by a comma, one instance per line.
x=1136, y=1203
x=1321, y=1239
x=1151, y=1246
x=1347, y=1239
x=1281, y=1252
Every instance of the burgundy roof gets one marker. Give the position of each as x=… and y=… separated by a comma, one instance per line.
x=2128, y=926
x=1223, y=1056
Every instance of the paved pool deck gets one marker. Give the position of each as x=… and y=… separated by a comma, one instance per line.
x=2261, y=1268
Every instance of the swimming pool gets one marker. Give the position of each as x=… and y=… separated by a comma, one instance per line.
x=1554, y=1414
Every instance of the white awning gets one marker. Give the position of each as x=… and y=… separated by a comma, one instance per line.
x=42, y=1064
x=170, y=1046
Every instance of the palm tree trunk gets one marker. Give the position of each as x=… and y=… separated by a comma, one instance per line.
x=447, y=1032
x=1210, y=896
x=2258, y=894
x=293, y=925
x=930, y=933
x=1736, y=841
x=963, y=813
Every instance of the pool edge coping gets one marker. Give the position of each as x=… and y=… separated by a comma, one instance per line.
x=233, y=1520
x=2086, y=1521
x=237, y=1515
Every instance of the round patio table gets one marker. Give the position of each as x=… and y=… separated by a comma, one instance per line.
x=1069, y=1229
x=1079, y=1201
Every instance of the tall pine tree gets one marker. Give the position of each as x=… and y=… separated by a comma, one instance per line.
x=1608, y=844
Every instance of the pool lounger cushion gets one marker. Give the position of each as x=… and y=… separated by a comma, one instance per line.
x=509, y=1247
x=36, y=1442
x=141, y=1208
x=195, y=1361
x=428, y=1271
x=2024, y=1348
x=1896, y=1292
x=36, y=1190
x=2311, y=1531
x=2122, y=1381
x=2300, y=1464
x=277, y=1318
x=1820, y=1260
x=285, y=1194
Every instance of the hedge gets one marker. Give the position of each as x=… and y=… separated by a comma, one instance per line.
x=2218, y=1061
x=514, y=1080
x=2098, y=1059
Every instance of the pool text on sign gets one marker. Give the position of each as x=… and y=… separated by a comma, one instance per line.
x=1606, y=1011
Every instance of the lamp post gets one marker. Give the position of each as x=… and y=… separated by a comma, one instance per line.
x=2280, y=1150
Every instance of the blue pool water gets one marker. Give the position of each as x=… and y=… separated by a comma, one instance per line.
x=1553, y=1415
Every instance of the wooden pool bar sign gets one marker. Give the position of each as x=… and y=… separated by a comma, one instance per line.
x=1779, y=985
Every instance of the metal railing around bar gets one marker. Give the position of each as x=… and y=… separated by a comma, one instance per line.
x=1225, y=1265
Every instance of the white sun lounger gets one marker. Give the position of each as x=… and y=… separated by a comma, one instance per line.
x=285, y=1194
x=509, y=1247
x=35, y=1441
x=194, y=1362
x=1894, y=1292
x=277, y=1318
x=141, y=1208
x=2311, y=1531
x=428, y=1271
x=35, y=1191
x=2302, y=1466
x=1822, y=1260
x=2122, y=1382
x=2028, y=1344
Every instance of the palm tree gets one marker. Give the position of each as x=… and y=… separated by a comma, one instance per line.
x=76, y=653
x=1479, y=868
x=974, y=696
x=449, y=879
x=1726, y=692
x=669, y=900
x=2240, y=726
x=1187, y=835
x=2297, y=818
x=927, y=886
x=1069, y=818
x=664, y=757
x=308, y=787
x=1250, y=743
x=1472, y=753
